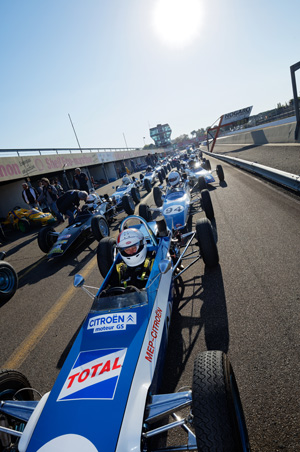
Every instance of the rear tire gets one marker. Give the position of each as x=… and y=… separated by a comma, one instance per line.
x=105, y=255
x=8, y=281
x=157, y=196
x=160, y=178
x=207, y=204
x=145, y=212
x=128, y=204
x=99, y=227
x=206, y=241
x=218, y=414
x=45, y=239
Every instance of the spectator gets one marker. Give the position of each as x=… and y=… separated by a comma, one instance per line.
x=39, y=190
x=149, y=160
x=30, y=196
x=80, y=180
x=70, y=201
x=57, y=185
x=50, y=196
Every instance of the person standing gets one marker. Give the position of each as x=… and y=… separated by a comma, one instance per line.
x=50, y=196
x=80, y=180
x=29, y=195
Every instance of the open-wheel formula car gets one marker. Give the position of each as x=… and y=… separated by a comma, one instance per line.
x=24, y=219
x=200, y=172
x=106, y=396
x=127, y=195
x=8, y=279
x=150, y=177
x=178, y=204
x=87, y=225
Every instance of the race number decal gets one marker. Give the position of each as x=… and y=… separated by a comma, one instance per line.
x=172, y=210
x=95, y=375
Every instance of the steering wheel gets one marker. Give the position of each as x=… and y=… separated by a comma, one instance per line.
x=115, y=290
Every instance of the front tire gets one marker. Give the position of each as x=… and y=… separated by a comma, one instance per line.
x=202, y=185
x=145, y=212
x=218, y=414
x=105, y=255
x=8, y=281
x=45, y=239
x=147, y=185
x=135, y=195
x=128, y=204
x=220, y=173
x=157, y=196
x=207, y=244
x=99, y=227
x=207, y=204
x=24, y=226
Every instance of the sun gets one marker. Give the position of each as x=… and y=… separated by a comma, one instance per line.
x=177, y=22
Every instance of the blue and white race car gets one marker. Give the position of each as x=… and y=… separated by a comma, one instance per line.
x=106, y=397
x=127, y=195
x=178, y=204
x=201, y=172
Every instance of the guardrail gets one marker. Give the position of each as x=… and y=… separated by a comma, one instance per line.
x=289, y=180
x=49, y=151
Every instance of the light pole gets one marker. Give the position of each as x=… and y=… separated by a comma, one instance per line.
x=144, y=141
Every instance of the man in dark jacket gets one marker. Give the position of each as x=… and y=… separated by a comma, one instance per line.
x=70, y=201
x=80, y=180
x=49, y=196
x=30, y=197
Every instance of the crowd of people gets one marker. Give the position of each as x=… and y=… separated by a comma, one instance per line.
x=49, y=196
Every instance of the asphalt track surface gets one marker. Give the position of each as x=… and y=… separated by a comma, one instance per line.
x=248, y=307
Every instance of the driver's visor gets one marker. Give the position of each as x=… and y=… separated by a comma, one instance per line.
x=172, y=179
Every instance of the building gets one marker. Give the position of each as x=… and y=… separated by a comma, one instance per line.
x=161, y=135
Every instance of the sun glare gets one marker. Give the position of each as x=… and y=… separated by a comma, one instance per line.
x=177, y=22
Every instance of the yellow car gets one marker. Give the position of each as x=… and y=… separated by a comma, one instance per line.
x=23, y=219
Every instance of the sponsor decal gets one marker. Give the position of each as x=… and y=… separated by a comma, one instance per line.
x=57, y=249
x=154, y=332
x=112, y=322
x=95, y=375
x=173, y=209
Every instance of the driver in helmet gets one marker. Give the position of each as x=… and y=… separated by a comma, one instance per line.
x=91, y=202
x=149, y=169
x=174, y=179
x=136, y=266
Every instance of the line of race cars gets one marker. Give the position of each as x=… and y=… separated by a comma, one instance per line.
x=106, y=396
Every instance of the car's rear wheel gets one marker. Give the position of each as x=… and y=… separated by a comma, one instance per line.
x=135, y=193
x=147, y=185
x=13, y=385
x=99, y=227
x=8, y=281
x=220, y=173
x=157, y=196
x=202, y=183
x=217, y=410
x=105, y=254
x=46, y=239
x=128, y=204
x=24, y=225
x=206, y=241
x=145, y=212
x=207, y=204
x=207, y=165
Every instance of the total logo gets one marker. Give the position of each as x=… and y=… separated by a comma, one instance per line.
x=112, y=322
x=94, y=375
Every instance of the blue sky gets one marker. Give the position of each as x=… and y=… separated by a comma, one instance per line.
x=106, y=64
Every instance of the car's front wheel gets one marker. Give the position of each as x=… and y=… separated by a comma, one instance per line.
x=202, y=183
x=99, y=227
x=8, y=281
x=147, y=185
x=24, y=225
x=145, y=212
x=157, y=196
x=207, y=204
x=105, y=254
x=135, y=193
x=46, y=238
x=128, y=204
x=220, y=173
x=206, y=241
x=217, y=409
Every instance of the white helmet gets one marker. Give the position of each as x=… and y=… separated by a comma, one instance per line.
x=91, y=201
x=174, y=178
x=126, y=180
x=132, y=245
